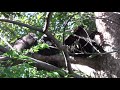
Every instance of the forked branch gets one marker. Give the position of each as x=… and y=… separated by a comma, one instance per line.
x=59, y=45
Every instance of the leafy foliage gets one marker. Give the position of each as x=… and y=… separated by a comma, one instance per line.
x=26, y=71
x=9, y=14
x=59, y=24
x=16, y=55
x=39, y=47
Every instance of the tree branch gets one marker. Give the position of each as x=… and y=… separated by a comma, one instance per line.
x=4, y=58
x=44, y=65
x=6, y=42
x=91, y=62
x=37, y=29
x=47, y=22
x=39, y=64
x=59, y=45
x=22, y=24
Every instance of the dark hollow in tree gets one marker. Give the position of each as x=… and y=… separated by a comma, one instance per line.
x=79, y=31
x=79, y=44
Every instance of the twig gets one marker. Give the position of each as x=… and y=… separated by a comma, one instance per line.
x=67, y=59
x=88, y=40
x=6, y=42
x=96, y=53
x=66, y=55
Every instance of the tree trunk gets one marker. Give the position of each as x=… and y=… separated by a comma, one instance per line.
x=108, y=23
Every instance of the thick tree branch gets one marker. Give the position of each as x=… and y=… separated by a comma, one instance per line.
x=37, y=63
x=50, y=67
x=22, y=24
x=93, y=62
x=42, y=65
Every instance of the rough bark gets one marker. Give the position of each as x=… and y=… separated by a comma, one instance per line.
x=108, y=23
